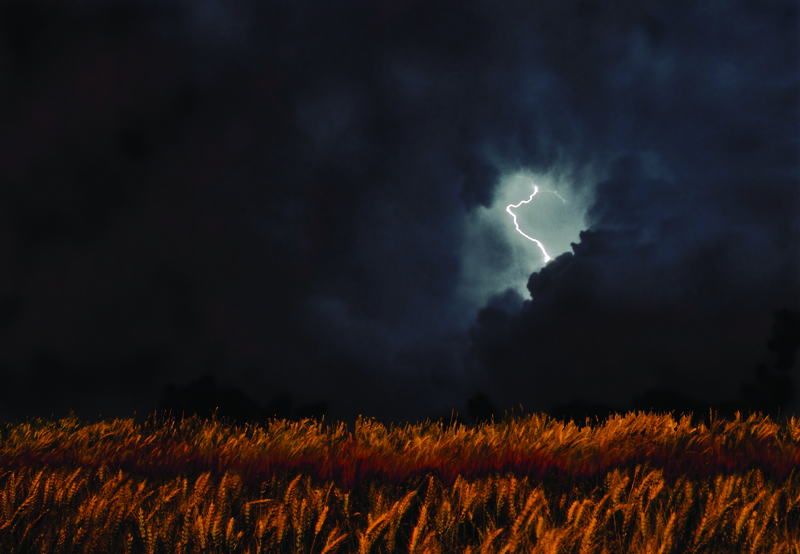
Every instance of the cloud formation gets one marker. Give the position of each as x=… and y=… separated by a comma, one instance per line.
x=292, y=197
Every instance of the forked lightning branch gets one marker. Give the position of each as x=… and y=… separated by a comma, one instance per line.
x=508, y=209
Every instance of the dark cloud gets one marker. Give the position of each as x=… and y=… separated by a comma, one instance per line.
x=277, y=195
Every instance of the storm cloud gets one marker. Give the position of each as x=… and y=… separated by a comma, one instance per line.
x=306, y=202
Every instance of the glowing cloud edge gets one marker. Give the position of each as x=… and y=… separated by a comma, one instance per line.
x=508, y=209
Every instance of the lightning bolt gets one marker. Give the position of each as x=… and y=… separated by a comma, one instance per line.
x=508, y=209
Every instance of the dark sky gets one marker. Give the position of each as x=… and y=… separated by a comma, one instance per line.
x=306, y=202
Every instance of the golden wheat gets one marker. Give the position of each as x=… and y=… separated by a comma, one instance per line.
x=281, y=523
x=398, y=511
x=511, y=489
x=374, y=529
x=667, y=534
x=334, y=541
x=488, y=538
x=222, y=497
x=715, y=509
x=765, y=517
x=744, y=513
x=486, y=491
x=96, y=510
x=418, y=529
x=98, y=522
x=232, y=540
x=261, y=527
x=431, y=545
x=8, y=497
x=204, y=530
x=375, y=496
x=588, y=541
x=468, y=497
x=534, y=503
x=18, y=514
x=300, y=523
x=502, y=487
x=443, y=517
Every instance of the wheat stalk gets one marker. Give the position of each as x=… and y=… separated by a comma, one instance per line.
x=281, y=523
x=321, y=508
x=221, y=496
x=170, y=529
x=200, y=525
x=30, y=527
x=367, y=539
x=487, y=543
x=524, y=520
x=185, y=530
x=71, y=487
x=714, y=511
x=743, y=515
x=232, y=541
x=765, y=517
x=299, y=522
x=23, y=508
x=666, y=546
x=588, y=542
x=216, y=537
x=466, y=494
x=512, y=497
x=291, y=492
x=318, y=526
x=398, y=511
x=576, y=511
x=486, y=491
x=444, y=518
x=333, y=542
x=502, y=488
x=95, y=517
x=7, y=496
x=423, y=516
x=430, y=545
x=261, y=527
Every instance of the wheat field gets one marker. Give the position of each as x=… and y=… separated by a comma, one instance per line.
x=639, y=483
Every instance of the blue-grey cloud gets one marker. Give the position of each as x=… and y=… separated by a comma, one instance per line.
x=298, y=197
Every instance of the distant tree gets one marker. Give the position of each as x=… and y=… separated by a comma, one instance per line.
x=207, y=399
x=314, y=410
x=279, y=407
x=204, y=398
x=785, y=340
x=581, y=409
x=481, y=409
x=773, y=389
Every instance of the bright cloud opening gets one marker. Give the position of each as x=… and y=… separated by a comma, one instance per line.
x=533, y=218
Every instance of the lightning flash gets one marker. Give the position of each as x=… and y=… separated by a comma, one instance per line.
x=508, y=209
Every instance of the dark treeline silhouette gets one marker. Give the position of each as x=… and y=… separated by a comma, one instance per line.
x=207, y=399
x=771, y=390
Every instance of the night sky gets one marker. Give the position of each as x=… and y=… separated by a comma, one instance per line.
x=298, y=208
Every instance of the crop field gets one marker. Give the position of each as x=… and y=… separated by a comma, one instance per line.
x=640, y=483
